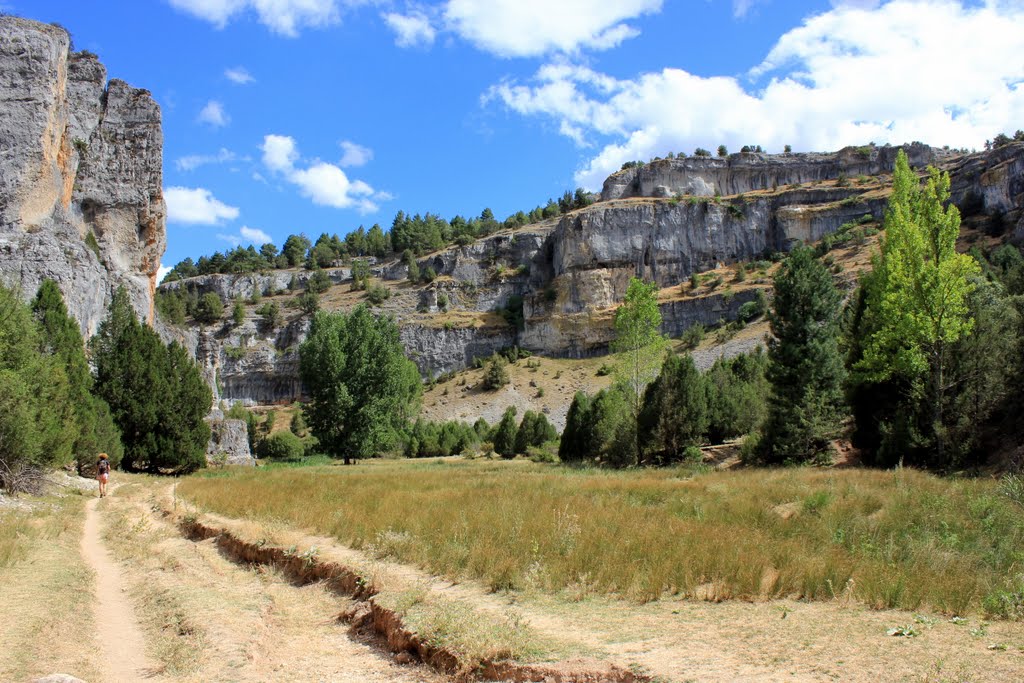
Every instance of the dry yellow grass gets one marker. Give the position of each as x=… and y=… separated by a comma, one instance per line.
x=45, y=593
x=887, y=539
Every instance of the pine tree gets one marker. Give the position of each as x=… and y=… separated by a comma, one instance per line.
x=805, y=368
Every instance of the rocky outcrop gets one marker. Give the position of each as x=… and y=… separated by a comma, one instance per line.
x=229, y=442
x=570, y=273
x=80, y=175
x=750, y=172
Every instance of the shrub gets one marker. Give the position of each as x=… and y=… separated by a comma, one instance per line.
x=377, y=294
x=496, y=374
x=281, y=446
x=505, y=434
x=210, y=308
x=693, y=336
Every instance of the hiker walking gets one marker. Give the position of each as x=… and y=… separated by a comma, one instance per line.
x=103, y=473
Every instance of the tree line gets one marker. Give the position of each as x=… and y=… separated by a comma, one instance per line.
x=417, y=233
x=131, y=396
x=925, y=359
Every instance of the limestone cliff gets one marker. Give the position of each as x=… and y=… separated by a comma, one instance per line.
x=80, y=175
x=662, y=222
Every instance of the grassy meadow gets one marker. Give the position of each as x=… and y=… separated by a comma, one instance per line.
x=900, y=538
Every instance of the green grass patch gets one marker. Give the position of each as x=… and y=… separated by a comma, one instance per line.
x=901, y=539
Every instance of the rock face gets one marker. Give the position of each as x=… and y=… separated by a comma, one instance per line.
x=569, y=274
x=750, y=172
x=229, y=442
x=80, y=175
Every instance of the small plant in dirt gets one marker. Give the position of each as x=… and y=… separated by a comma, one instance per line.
x=905, y=631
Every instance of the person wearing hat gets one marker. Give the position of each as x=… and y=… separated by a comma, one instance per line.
x=103, y=473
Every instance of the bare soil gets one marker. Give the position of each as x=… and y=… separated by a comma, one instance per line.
x=121, y=644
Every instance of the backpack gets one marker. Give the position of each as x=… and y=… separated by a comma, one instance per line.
x=103, y=467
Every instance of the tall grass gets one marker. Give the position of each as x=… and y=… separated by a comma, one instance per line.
x=890, y=539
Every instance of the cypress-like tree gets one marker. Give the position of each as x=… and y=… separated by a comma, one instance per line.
x=675, y=411
x=505, y=434
x=156, y=393
x=363, y=389
x=95, y=430
x=37, y=418
x=805, y=368
x=576, y=442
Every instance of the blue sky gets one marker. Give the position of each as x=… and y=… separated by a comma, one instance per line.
x=286, y=116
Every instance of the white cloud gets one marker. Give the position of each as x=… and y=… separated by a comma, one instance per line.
x=411, y=30
x=239, y=75
x=233, y=240
x=255, y=235
x=740, y=8
x=325, y=184
x=279, y=153
x=196, y=206
x=907, y=70
x=193, y=161
x=285, y=17
x=161, y=272
x=525, y=28
x=354, y=155
x=213, y=114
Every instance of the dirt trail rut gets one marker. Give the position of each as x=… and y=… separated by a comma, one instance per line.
x=120, y=638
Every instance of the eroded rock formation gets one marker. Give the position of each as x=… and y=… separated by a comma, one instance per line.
x=81, y=197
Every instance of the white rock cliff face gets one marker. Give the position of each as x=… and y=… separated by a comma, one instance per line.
x=80, y=175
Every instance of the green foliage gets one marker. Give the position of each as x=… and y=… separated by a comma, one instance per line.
x=496, y=374
x=752, y=310
x=638, y=340
x=737, y=395
x=171, y=306
x=363, y=389
x=94, y=246
x=409, y=259
x=438, y=439
x=723, y=151
x=915, y=308
x=281, y=446
x=360, y=274
x=238, y=313
x=377, y=294
x=674, y=415
x=294, y=249
x=693, y=336
x=95, y=431
x=156, y=393
x=534, y=431
x=308, y=302
x=270, y=315
x=319, y=282
x=805, y=367
x=505, y=434
x=37, y=416
x=210, y=308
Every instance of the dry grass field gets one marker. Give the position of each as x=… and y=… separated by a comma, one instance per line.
x=900, y=539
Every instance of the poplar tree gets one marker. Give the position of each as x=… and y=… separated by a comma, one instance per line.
x=918, y=304
x=640, y=347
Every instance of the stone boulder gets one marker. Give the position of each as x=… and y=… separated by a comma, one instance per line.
x=229, y=440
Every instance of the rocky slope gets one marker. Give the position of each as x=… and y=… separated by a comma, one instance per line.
x=80, y=175
x=663, y=222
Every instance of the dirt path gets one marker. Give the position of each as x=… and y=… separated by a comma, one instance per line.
x=121, y=640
